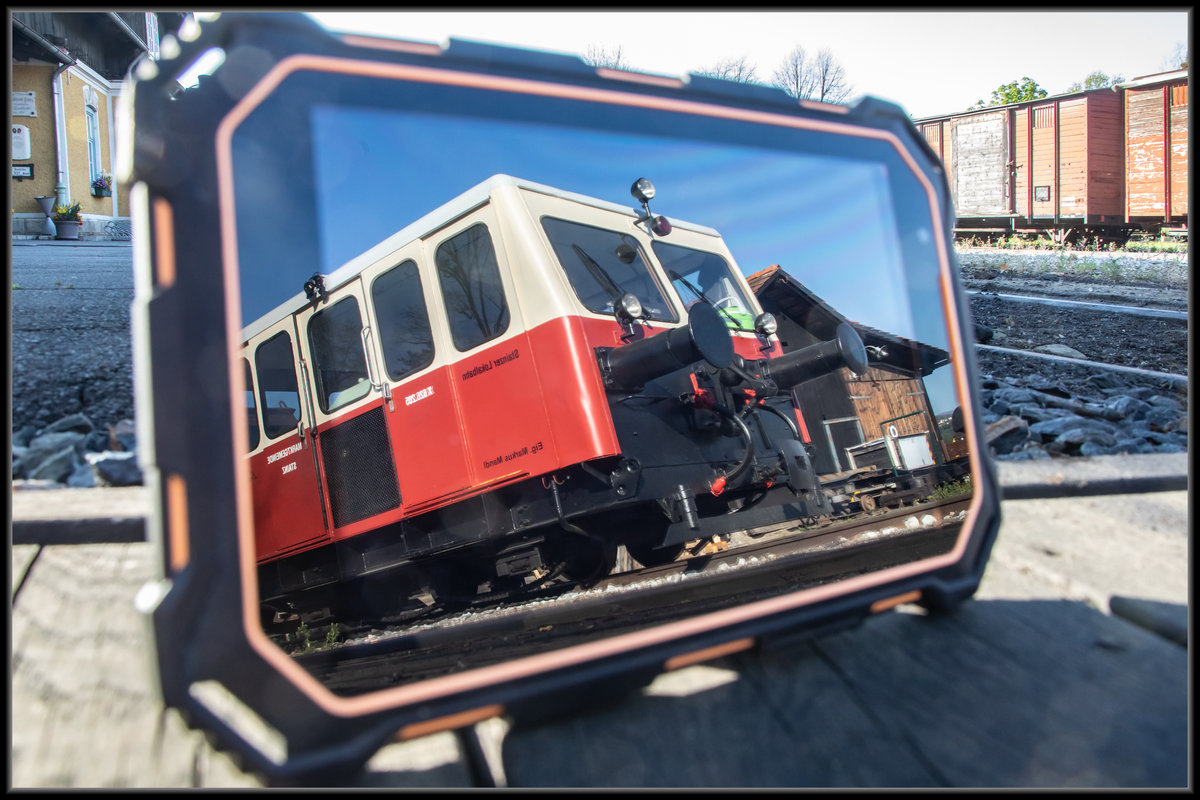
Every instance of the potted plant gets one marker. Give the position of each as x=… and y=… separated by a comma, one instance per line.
x=102, y=186
x=67, y=221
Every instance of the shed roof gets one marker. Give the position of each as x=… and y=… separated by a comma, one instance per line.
x=779, y=292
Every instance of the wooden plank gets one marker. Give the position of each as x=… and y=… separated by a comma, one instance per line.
x=1019, y=688
x=880, y=396
x=84, y=708
x=1032, y=683
x=96, y=503
x=22, y=557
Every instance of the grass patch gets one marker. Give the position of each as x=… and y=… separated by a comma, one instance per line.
x=1159, y=245
x=945, y=491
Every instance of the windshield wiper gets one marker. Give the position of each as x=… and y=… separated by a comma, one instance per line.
x=599, y=274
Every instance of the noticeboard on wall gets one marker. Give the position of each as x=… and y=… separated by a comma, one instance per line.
x=24, y=104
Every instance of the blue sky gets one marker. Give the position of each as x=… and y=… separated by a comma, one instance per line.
x=841, y=226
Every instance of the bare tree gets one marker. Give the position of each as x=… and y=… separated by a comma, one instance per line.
x=1177, y=60
x=794, y=75
x=820, y=78
x=611, y=57
x=830, y=78
x=732, y=69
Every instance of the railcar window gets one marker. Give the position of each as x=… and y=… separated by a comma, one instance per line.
x=404, y=331
x=471, y=288
x=251, y=407
x=339, y=366
x=602, y=265
x=698, y=275
x=278, y=391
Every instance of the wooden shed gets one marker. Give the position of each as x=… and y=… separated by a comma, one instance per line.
x=843, y=411
x=1053, y=162
x=1156, y=148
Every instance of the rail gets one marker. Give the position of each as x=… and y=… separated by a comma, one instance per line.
x=1159, y=313
x=1167, y=377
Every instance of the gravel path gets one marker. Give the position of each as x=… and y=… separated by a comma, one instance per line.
x=71, y=348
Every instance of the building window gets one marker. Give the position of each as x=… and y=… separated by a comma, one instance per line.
x=95, y=167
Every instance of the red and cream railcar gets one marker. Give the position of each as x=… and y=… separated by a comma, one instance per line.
x=526, y=376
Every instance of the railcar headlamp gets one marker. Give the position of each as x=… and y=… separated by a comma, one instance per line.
x=642, y=190
x=629, y=307
x=765, y=324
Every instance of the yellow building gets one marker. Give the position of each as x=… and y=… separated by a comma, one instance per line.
x=67, y=73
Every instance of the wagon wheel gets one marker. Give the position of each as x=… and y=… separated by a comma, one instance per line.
x=868, y=503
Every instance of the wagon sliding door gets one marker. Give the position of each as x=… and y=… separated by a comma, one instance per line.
x=979, y=149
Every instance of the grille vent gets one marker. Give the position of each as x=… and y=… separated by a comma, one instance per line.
x=359, y=471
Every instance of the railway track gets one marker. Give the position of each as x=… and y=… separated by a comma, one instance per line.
x=1172, y=379
x=1143, y=343
x=1116, y=308
x=756, y=565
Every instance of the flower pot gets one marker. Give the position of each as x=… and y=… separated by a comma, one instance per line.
x=67, y=229
x=101, y=192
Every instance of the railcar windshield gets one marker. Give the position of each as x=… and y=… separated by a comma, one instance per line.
x=702, y=276
x=602, y=265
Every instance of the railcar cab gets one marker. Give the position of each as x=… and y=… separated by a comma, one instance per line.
x=493, y=342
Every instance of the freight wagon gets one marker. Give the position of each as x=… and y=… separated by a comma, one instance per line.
x=1103, y=162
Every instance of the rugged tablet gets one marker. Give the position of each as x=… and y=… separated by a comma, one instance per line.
x=479, y=379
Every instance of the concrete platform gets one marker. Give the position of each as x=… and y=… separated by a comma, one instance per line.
x=1068, y=669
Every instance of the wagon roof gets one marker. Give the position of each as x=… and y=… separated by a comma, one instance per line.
x=776, y=289
x=1022, y=104
x=464, y=203
x=1158, y=77
x=1143, y=80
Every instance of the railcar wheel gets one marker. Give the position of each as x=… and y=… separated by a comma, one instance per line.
x=649, y=556
x=584, y=559
x=868, y=503
x=453, y=583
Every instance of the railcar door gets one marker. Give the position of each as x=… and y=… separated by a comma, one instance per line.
x=288, y=511
x=413, y=349
x=496, y=376
x=357, y=467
